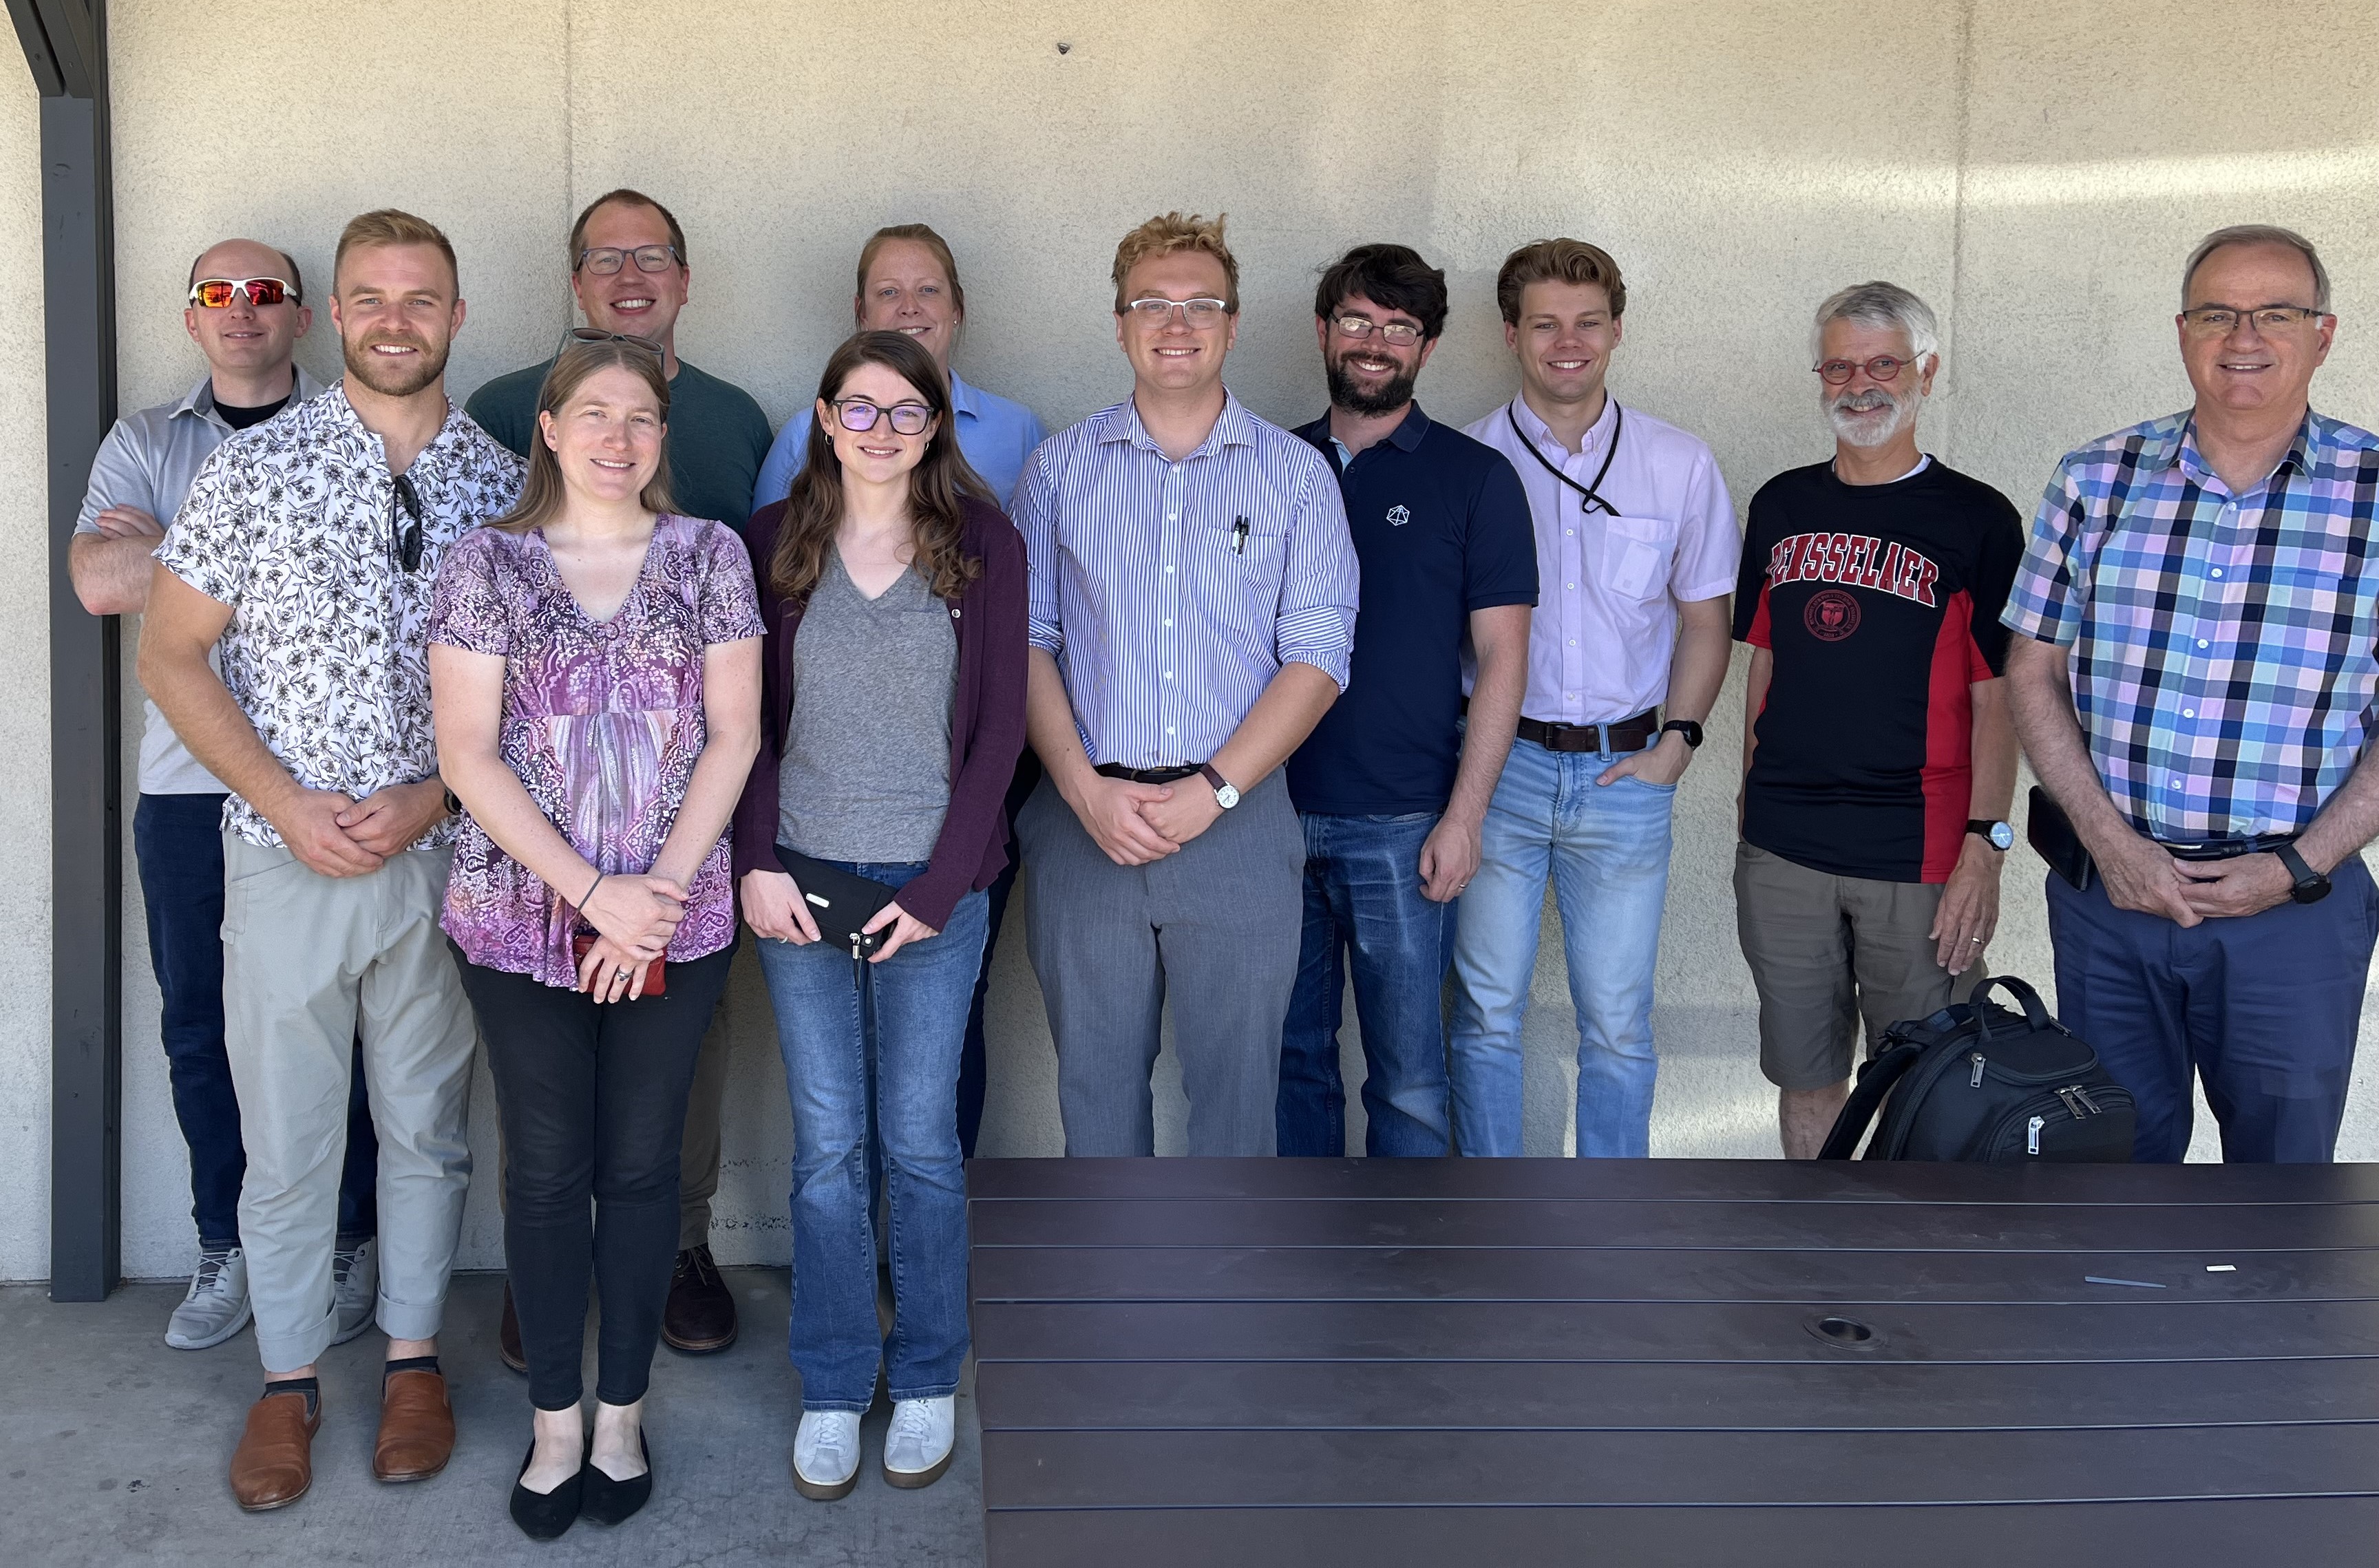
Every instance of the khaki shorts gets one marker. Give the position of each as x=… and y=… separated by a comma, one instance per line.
x=1826, y=951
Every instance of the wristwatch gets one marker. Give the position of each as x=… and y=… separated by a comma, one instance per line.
x=1226, y=794
x=1688, y=729
x=2312, y=886
x=1997, y=835
x=454, y=803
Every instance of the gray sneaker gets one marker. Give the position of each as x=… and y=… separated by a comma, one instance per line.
x=216, y=1306
x=355, y=1288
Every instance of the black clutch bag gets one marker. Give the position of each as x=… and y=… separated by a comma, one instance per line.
x=2049, y=831
x=840, y=902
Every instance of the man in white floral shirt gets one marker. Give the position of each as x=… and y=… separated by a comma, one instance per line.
x=308, y=547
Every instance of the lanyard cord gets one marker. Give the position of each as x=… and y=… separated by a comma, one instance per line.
x=1590, y=495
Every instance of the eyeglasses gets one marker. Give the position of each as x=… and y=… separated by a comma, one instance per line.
x=597, y=334
x=216, y=293
x=1882, y=367
x=908, y=418
x=2220, y=321
x=1201, y=312
x=407, y=538
x=1404, y=334
x=605, y=260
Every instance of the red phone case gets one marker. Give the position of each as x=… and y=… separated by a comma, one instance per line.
x=656, y=981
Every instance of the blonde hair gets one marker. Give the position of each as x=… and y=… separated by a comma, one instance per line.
x=920, y=234
x=386, y=226
x=542, y=492
x=1558, y=261
x=1162, y=237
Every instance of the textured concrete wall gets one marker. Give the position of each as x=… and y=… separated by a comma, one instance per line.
x=2036, y=170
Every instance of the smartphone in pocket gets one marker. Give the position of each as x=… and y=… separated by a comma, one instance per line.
x=2050, y=832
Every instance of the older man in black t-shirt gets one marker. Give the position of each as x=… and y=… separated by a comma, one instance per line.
x=1878, y=754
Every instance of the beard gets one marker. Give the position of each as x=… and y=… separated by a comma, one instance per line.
x=401, y=378
x=1386, y=398
x=1870, y=419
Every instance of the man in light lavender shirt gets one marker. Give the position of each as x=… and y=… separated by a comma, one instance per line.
x=1637, y=547
x=246, y=310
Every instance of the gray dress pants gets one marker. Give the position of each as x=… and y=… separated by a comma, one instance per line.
x=1216, y=927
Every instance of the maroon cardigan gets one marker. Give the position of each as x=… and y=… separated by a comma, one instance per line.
x=986, y=716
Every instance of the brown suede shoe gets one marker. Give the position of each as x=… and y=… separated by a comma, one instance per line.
x=417, y=1427
x=699, y=1317
x=274, y=1462
x=508, y=1340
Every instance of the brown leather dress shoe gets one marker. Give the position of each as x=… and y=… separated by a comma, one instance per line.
x=508, y=1340
x=417, y=1427
x=274, y=1462
x=700, y=1315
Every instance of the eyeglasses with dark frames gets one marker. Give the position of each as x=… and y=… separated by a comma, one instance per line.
x=1404, y=334
x=1882, y=367
x=605, y=260
x=856, y=413
x=597, y=334
x=216, y=293
x=407, y=538
x=2221, y=320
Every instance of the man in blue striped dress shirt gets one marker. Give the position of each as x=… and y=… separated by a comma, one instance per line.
x=1193, y=591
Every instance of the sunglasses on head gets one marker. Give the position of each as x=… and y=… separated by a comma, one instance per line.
x=216, y=293
x=407, y=535
x=597, y=334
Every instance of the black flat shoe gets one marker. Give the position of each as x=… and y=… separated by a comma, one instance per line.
x=544, y=1516
x=611, y=1503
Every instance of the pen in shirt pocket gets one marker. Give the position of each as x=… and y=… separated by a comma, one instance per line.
x=1239, y=536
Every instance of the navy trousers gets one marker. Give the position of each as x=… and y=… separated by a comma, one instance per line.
x=2263, y=1011
x=177, y=842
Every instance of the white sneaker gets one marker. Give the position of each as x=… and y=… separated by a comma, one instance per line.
x=355, y=1288
x=917, y=1448
x=216, y=1306
x=825, y=1455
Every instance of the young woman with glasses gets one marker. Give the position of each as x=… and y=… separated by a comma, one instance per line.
x=892, y=714
x=593, y=665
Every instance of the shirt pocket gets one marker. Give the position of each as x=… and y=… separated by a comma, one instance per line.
x=1637, y=553
x=1258, y=559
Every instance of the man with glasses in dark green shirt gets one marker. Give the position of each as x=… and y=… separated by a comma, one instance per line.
x=628, y=269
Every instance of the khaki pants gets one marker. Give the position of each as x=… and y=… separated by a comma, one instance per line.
x=311, y=965
x=1828, y=951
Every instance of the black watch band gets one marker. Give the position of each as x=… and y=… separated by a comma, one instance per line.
x=1690, y=729
x=1997, y=835
x=2312, y=886
x=454, y=803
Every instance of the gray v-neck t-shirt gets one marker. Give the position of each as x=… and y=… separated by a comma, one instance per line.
x=866, y=770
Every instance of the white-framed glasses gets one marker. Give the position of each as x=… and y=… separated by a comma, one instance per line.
x=1203, y=311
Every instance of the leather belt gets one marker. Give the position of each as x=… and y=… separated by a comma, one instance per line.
x=2226, y=849
x=1145, y=775
x=1623, y=735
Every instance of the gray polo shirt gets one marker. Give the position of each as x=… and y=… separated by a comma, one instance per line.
x=148, y=461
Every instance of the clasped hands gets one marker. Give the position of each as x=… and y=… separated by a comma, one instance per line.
x=1135, y=824
x=336, y=834
x=2139, y=874
x=633, y=919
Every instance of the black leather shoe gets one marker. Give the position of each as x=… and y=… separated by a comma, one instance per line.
x=507, y=1343
x=608, y=1502
x=545, y=1516
x=700, y=1316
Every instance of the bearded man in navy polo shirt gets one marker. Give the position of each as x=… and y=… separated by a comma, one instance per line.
x=1391, y=788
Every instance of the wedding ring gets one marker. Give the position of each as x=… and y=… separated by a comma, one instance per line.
x=620, y=975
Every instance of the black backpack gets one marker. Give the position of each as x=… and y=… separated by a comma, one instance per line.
x=1978, y=1082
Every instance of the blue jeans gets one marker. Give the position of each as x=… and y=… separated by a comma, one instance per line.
x=177, y=844
x=1364, y=912
x=1606, y=848
x=2261, y=1010
x=889, y=1033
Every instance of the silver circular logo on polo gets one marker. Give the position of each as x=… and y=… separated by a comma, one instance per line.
x=1398, y=516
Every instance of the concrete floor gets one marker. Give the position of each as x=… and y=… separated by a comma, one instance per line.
x=114, y=1449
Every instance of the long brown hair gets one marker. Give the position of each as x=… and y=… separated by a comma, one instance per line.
x=543, y=494
x=936, y=485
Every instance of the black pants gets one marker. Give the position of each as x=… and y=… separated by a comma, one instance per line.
x=592, y=1096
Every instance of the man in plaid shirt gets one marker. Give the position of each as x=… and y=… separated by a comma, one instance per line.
x=2195, y=684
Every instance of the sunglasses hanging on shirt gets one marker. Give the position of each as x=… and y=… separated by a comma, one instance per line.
x=407, y=535
x=1589, y=496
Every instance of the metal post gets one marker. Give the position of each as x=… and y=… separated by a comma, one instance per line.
x=65, y=43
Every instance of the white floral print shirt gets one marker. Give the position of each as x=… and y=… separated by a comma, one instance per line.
x=297, y=527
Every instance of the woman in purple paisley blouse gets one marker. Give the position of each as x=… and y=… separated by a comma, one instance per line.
x=594, y=670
